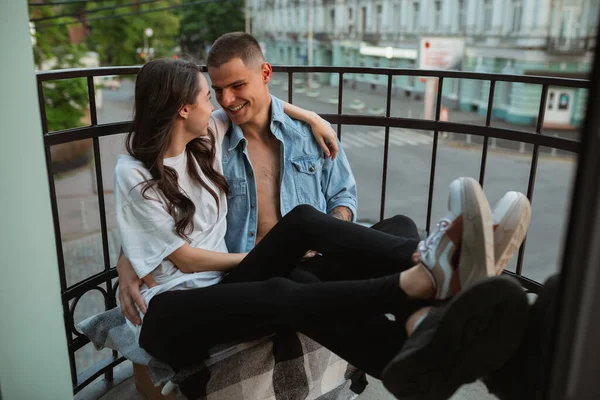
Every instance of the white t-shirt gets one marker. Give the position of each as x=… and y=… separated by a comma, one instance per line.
x=147, y=229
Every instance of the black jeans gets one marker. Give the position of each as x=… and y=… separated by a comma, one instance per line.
x=258, y=297
x=339, y=269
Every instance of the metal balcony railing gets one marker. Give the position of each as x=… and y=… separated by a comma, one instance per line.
x=73, y=293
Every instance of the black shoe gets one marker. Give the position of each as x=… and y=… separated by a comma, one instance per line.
x=473, y=335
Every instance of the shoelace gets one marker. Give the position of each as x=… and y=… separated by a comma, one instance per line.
x=435, y=237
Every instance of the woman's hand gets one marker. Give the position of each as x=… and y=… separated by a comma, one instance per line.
x=325, y=136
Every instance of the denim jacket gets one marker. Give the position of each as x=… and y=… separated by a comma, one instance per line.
x=306, y=177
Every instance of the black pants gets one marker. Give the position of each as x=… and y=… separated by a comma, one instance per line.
x=335, y=269
x=259, y=297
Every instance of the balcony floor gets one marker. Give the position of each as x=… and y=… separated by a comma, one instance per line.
x=124, y=389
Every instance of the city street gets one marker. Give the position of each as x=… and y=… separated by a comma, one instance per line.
x=407, y=191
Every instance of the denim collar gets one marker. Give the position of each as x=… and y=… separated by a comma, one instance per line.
x=277, y=115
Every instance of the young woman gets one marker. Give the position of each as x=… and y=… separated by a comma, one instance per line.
x=171, y=204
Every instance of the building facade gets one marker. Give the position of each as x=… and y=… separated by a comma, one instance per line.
x=530, y=37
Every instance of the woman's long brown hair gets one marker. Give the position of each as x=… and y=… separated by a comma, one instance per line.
x=162, y=88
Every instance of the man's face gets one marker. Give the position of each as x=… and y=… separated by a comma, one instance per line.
x=241, y=90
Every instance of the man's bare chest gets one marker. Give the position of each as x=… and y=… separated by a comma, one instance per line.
x=266, y=166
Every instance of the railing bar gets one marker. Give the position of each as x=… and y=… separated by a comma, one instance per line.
x=438, y=106
x=110, y=303
x=488, y=121
x=386, y=148
x=95, y=371
x=53, y=202
x=57, y=234
x=92, y=100
x=570, y=145
x=42, y=104
x=533, y=79
x=290, y=86
x=81, y=287
x=78, y=343
x=533, y=169
x=101, y=206
x=488, y=118
x=527, y=283
x=542, y=110
x=434, y=154
x=340, y=98
x=72, y=363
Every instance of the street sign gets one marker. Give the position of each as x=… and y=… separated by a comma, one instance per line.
x=441, y=53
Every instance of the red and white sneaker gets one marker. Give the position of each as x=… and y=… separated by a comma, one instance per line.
x=461, y=251
x=511, y=218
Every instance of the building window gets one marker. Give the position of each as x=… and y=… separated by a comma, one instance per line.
x=379, y=21
x=462, y=16
x=563, y=101
x=416, y=16
x=550, y=100
x=487, y=15
x=397, y=18
x=350, y=14
x=332, y=20
x=437, y=15
x=517, y=7
x=363, y=19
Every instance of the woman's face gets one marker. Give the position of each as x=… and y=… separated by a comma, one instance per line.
x=200, y=111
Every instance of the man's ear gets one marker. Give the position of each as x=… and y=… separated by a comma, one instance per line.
x=266, y=72
x=184, y=112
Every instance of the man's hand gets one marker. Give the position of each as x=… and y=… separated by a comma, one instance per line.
x=343, y=213
x=129, y=290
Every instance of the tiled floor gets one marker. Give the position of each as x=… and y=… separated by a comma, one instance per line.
x=375, y=391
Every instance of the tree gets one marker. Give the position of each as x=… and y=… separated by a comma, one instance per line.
x=118, y=39
x=202, y=24
x=66, y=100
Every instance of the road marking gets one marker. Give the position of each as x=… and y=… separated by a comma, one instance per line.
x=358, y=139
x=376, y=138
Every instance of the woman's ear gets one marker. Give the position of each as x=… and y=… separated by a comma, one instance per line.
x=184, y=112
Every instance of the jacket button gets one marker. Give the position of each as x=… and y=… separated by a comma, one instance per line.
x=312, y=169
x=251, y=234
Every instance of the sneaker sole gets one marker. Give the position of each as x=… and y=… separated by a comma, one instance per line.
x=511, y=230
x=477, y=333
x=477, y=246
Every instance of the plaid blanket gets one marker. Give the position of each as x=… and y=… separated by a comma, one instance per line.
x=286, y=365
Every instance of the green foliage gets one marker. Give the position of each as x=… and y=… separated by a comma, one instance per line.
x=202, y=24
x=117, y=39
x=67, y=99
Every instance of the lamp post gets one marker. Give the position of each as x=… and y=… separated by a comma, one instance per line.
x=309, y=46
x=148, y=32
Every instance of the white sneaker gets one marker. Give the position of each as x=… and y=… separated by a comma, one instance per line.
x=511, y=219
x=461, y=251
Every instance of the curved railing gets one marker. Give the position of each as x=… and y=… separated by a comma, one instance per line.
x=72, y=294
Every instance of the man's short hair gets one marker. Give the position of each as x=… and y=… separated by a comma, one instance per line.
x=235, y=45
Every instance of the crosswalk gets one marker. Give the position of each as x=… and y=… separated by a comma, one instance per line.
x=376, y=138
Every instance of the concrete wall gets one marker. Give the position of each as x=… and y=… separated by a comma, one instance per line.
x=33, y=351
